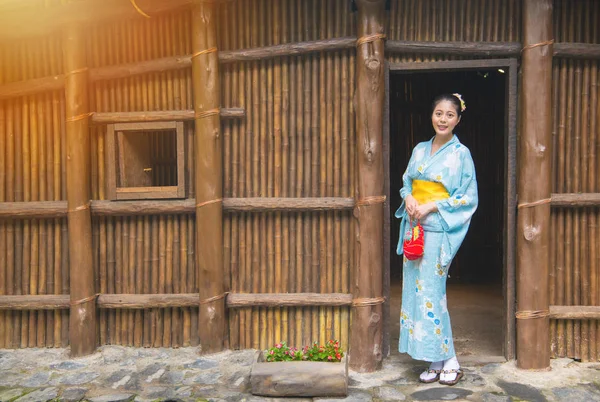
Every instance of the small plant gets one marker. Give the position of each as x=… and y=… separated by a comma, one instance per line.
x=330, y=352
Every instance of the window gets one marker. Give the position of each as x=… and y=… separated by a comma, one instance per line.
x=145, y=161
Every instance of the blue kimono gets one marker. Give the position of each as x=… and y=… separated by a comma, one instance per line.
x=425, y=332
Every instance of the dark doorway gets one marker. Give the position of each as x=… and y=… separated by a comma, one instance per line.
x=476, y=294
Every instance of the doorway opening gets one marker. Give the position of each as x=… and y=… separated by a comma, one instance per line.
x=480, y=286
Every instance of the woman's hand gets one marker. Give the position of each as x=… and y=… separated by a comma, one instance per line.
x=411, y=205
x=423, y=210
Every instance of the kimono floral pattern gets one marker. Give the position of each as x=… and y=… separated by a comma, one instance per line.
x=425, y=331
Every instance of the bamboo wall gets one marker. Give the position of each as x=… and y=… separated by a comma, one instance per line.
x=297, y=141
x=143, y=254
x=574, y=273
x=33, y=252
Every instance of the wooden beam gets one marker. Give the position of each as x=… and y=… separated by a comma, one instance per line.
x=575, y=200
x=209, y=177
x=288, y=299
x=577, y=50
x=82, y=317
x=166, y=115
x=143, y=301
x=58, y=209
x=575, y=312
x=33, y=209
x=130, y=208
x=264, y=204
x=30, y=87
x=27, y=21
x=367, y=324
x=34, y=302
x=484, y=49
x=287, y=49
x=534, y=184
x=143, y=67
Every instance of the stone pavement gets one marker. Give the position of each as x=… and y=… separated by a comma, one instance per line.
x=128, y=374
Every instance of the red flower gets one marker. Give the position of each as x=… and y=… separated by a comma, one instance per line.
x=338, y=356
x=329, y=357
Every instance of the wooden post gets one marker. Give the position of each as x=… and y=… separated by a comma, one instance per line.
x=534, y=187
x=209, y=177
x=82, y=321
x=367, y=320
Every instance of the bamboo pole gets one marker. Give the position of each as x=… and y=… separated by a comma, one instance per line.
x=209, y=219
x=82, y=315
x=285, y=149
x=278, y=174
x=593, y=221
x=532, y=257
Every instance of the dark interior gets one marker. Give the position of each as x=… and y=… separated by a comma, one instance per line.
x=482, y=130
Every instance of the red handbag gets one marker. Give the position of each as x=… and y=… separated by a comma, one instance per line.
x=414, y=247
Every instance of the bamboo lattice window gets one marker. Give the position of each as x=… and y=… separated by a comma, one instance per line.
x=145, y=161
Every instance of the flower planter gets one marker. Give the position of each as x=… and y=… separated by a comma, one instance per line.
x=299, y=378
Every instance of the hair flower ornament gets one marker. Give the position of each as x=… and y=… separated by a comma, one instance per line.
x=463, y=105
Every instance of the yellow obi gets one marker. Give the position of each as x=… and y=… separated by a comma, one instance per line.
x=426, y=191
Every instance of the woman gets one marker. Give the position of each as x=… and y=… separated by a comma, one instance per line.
x=439, y=191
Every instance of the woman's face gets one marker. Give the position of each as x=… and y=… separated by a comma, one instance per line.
x=444, y=118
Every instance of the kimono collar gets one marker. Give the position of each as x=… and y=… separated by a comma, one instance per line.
x=454, y=140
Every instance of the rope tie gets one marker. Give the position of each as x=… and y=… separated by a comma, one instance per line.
x=214, y=298
x=79, y=117
x=76, y=71
x=205, y=203
x=534, y=45
x=367, y=301
x=80, y=208
x=531, y=314
x=84, y=300
x=139, y=10
x=207, y=113
x=534, y=203
x=205, y=51
x=377, y=199
x=369, y=38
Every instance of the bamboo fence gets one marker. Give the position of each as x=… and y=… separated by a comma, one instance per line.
x=296, y=141
x=144, y=254
x=34, y=252
x=575, y=262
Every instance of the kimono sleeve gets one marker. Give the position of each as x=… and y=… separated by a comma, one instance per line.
x=406, y=179
x=457, y=210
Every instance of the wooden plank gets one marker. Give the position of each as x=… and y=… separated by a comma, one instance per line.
x=34, y=302
x=58, y=209
x=129, y=208
x=452, y=65
x=575, y=200
x=577, y=50
x=258, y=204
x=575, y=312
x=30, y=87
x=486, y=49
x=510, y=225
x=166, y=115
x=144, y=301
x=33, y=209
x=287, y=49
x=288, y=299
x=146, y=126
